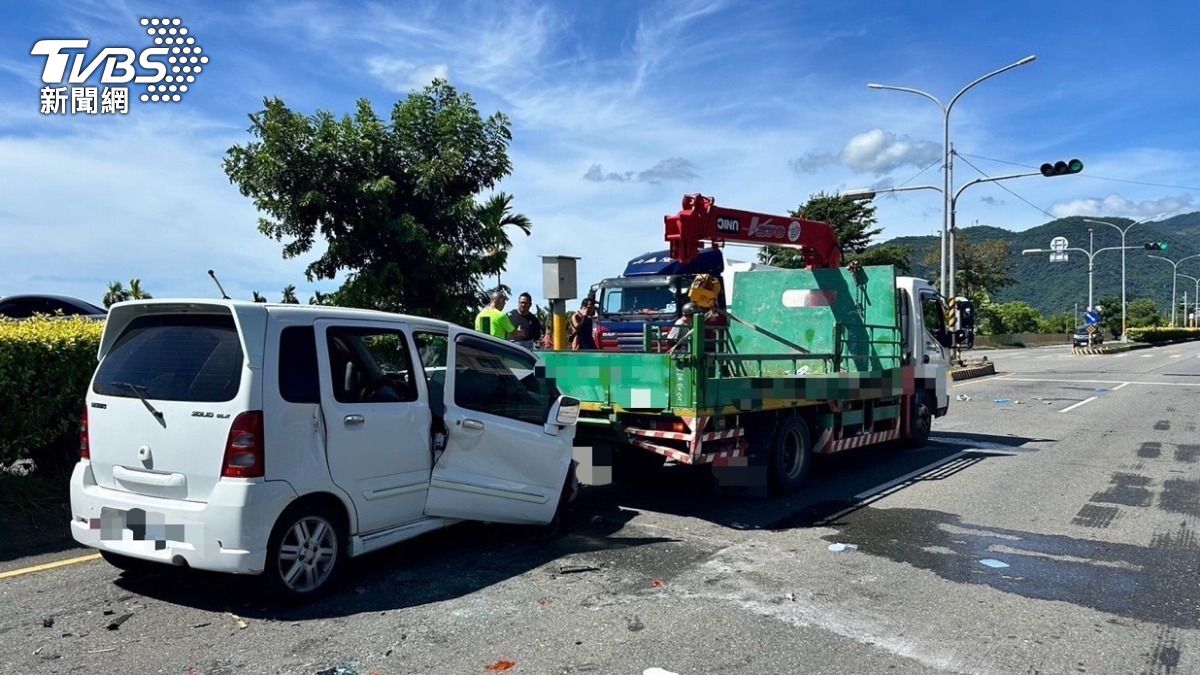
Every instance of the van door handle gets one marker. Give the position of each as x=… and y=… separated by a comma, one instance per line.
x=353, y=419
x=472, y=424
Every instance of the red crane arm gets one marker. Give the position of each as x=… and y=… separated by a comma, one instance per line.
x=701, y=220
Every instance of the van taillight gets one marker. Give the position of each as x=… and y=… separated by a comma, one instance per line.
x=85, y=449
x=244, y=448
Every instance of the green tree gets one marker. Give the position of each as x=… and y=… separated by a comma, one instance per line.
x=1013, y=317
x=394, y=200
x=259, y=297
x=852, y=221
x=116, y=293
x=136, y=292
x=891, y=254
x=289, y=295
x=1059, y=323
x=1142, y=313
x=980, y=269
x=495, y=214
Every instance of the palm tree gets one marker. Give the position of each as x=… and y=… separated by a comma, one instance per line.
x=289, y=295
x=494, y=214
x=259, y=297
x=116, y=293
x=136, y=292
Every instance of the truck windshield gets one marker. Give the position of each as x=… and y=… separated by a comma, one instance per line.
x=638, y=300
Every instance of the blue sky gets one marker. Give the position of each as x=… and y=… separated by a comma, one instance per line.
x=618, y=109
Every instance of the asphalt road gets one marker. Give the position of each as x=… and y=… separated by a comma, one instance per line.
x=1083, y=498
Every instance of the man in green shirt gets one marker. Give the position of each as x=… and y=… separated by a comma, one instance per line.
x=499, y=325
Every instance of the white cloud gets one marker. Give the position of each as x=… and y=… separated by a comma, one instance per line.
x=875, y=151
x=670, y=169
x=1116, y=205
x=404, y=76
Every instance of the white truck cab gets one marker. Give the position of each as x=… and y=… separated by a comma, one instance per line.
x=282, y=439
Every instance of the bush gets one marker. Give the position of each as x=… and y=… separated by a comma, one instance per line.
x=1160, y=334
x=45, y=366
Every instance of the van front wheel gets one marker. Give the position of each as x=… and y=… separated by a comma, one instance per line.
x=306, y=552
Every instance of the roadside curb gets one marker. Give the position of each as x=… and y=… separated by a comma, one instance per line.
x=1113, y=349
x=968, y=372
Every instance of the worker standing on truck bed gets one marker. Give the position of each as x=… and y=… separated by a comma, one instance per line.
x=498, y=323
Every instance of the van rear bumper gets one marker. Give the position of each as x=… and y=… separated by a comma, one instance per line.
x=228, y=533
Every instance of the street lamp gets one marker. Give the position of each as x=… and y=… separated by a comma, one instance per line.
x=947, y=167
x=1091, y=255
x=1195, y=298
x=1122, y=230
x=1174, y=274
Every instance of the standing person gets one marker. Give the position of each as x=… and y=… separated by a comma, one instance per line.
x=581, y=326
x=527, y=321
x=681, y=329
x=499, y=324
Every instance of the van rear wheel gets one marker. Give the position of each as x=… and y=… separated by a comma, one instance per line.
x=920, y=421
x=306, y=552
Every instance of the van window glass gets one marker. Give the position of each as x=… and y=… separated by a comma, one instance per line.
x=494, y=379
x=934, y=314
x=298, y=381
x=174, y=357
x=370, y=365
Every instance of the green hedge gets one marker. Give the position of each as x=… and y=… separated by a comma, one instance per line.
x=1162, y=334
x=45, y=367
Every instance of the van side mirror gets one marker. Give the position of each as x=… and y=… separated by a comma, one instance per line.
x=564, y=413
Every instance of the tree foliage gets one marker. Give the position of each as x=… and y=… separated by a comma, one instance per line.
x=393, y=199
x=981, y=269
x=852, y=221
x=118, y=293
x=889, y=254
x=289, y=295
x=1139, y=313
x=1011, y=317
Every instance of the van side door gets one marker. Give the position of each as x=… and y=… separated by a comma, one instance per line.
x=376, y=418
x=502, y=462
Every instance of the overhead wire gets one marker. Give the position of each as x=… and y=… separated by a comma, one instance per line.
x=1087, y=175
x=1006, y=188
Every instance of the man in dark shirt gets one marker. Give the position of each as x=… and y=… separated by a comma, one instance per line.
x=527, y=320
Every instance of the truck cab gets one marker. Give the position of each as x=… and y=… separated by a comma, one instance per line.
x=652, y=289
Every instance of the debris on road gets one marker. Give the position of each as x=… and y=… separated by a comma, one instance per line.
x=962, y=397
x=992, y=562
x=48, y=622
x=1002, y=400
x=202, y=624
x=500, y=666
x=337, y=670
x=241, y=623
x=843, y=548
x=109, y=612
x=791, y=596
x=636, y=624
x=116, y=623
x=658, y=671
x=102, y=651
x=657, y=583
x=576, y=569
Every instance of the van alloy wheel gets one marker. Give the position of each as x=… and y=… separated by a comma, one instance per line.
x=308, y=554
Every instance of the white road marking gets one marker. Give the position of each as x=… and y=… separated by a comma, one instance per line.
x=1146, y=356
x=1123, y=384
x=1076, y=405
x=1153, y=384
x=1121, y=356
x=1175, y=356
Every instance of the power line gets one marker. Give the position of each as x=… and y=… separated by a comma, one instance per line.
x=1006, y=189
x=1086, y=175
x=917, y=174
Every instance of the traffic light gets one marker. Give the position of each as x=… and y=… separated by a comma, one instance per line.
x=1061, y=168
x=1155, y=246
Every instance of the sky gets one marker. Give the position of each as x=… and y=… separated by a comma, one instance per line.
x=618, y=109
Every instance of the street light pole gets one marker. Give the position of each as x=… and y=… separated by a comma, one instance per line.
x=1174, y=280
x=1091, y=254
x=1195, y=299
x=946, y=163
x=1123, y=231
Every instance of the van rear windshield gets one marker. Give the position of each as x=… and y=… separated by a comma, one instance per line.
x=174, y=357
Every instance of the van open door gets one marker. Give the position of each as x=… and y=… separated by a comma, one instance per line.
x=505, y=459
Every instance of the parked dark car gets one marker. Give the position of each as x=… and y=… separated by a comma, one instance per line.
x=25, y=306
x=1080, y=337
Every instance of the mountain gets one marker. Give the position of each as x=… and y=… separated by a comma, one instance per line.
x=1054, y=288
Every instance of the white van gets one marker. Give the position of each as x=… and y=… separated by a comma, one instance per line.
x=282, y=439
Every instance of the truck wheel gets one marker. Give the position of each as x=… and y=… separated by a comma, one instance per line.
x=920, y=420
x=632, y=464
x=306, y=552
x=791, y=455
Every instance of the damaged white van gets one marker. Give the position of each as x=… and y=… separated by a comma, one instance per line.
x=282, y=439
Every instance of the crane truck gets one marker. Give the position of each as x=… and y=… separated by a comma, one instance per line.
x=812, y=361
